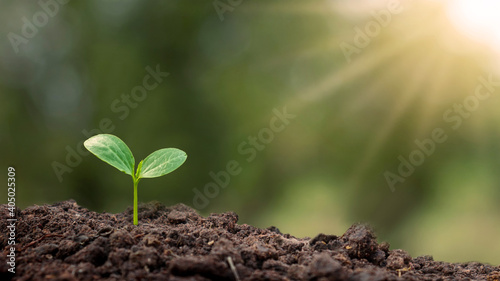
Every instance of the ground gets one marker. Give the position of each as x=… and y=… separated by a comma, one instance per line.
x=64, y=241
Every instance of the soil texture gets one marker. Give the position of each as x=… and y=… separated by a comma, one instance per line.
x=64, y=241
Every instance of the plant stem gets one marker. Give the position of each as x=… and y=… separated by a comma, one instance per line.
x=136, y=220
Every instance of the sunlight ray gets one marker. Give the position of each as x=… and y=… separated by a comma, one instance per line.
x=376, y=86
x=314, y=49
x=288, y=8
x=339, y=77
x=413, y=88
x=438, y=84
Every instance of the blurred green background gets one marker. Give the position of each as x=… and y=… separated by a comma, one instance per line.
x=364, y=81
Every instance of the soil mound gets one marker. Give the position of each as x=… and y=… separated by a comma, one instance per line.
x=64, y=241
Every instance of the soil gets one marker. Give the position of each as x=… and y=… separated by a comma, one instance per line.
x=64, y=241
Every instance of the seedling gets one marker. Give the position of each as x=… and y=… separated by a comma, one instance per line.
x=116, y=153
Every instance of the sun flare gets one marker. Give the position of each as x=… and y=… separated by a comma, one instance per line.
x=478, y=20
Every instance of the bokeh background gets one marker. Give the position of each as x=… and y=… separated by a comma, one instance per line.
x=364, y=80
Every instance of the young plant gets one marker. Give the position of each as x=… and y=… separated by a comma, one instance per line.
x=116, y=153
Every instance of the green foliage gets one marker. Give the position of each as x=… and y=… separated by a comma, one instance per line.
x=116, y=153
x=113, y=151
x=161, y=162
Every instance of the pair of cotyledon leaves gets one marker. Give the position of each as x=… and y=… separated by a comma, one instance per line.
x=115, y=152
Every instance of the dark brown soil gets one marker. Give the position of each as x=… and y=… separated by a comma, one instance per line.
x=67, y=242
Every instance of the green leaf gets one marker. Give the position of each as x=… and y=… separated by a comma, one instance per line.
x=162, y=162
x=113, y=151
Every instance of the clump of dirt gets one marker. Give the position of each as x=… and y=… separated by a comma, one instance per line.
x=64, y=241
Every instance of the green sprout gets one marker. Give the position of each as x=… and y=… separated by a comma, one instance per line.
x=116, y=153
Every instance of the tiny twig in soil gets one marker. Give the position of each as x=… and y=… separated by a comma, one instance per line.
x=403, y=270
x=139, y=235
x=233, y=268
x=38, y=240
